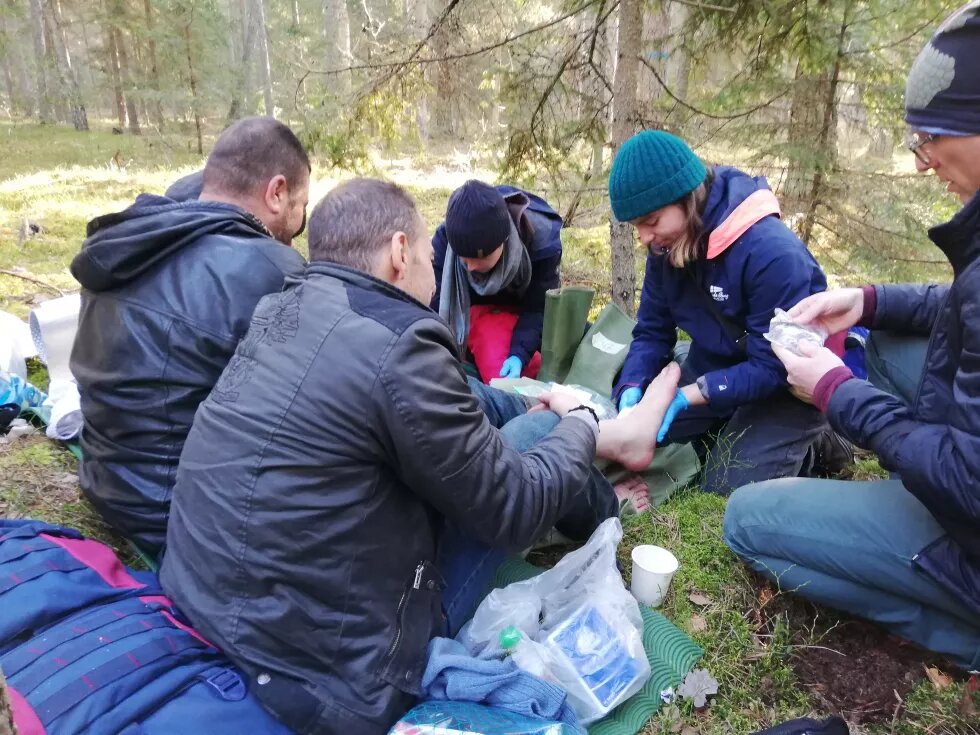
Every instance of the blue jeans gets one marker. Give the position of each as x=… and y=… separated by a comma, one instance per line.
x=852, y=545
x=468, y=565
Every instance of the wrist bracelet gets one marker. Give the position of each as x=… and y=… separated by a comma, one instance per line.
x=591, y=410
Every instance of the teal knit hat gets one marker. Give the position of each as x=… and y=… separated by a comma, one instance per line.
x=652, y=169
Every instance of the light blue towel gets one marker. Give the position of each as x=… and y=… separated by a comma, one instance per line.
x=453, y=674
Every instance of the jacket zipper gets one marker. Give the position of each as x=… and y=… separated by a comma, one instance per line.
x=401, y=605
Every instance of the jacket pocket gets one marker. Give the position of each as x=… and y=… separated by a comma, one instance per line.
x=418, y=613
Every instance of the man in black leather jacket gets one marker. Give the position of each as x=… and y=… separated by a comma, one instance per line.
x=168, y=291
x=340, y=452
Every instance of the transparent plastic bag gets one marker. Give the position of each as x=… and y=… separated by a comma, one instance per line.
x=784, y=332
x=531, y=388
x=583, y=627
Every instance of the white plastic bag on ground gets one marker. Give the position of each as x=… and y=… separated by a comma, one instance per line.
x=16, y=344
x=581, y=622
x=65, y=422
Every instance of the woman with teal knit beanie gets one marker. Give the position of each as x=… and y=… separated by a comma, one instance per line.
x=720, y=261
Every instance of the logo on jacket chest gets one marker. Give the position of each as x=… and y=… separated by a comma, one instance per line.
x=718, y=293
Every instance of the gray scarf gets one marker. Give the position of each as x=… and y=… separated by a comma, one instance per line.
x=512, y=271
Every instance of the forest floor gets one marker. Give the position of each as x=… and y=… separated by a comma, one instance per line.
x=774, y=656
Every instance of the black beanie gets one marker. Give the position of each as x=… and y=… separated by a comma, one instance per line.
x=477, y=220
x=942, y=94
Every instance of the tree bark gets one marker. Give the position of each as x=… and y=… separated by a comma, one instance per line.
x=241, y=59
x=79, y=117
x=131, y=110
x=827, y=139
x=8, y=80
x=57, y=85
x=442, y=109
x=262, y=36
x=623, y=264
x=192, y=76
x=336, y=33
x=114, y=77
x=421, y=20
x=40, y=66
x=151, y=43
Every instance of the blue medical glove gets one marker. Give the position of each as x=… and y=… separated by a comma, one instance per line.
x=630, y=397
x=680, y=403
x=512, y=367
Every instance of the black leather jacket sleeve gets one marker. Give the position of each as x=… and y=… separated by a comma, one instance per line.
x=447, y=451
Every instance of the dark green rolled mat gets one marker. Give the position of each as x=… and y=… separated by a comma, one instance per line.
x=602, y=351
x=566, y=314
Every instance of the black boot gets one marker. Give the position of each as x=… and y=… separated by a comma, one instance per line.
x=832, y=453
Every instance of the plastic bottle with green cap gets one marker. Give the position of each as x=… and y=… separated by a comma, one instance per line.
x=526, y=653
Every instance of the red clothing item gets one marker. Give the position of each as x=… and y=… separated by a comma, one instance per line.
x=491, y=329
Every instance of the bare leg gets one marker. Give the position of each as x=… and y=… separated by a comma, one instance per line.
x=631, y=441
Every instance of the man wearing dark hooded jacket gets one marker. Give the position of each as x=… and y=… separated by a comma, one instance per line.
x=168, y=291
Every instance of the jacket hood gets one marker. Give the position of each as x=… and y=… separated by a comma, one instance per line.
x=959, y=239
x=735, y=203
x=123, y=246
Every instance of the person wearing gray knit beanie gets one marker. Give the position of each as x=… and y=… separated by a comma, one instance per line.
x=903, y=552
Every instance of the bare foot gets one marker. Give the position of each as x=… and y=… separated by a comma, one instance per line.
x=632, y=440
x=634, y=493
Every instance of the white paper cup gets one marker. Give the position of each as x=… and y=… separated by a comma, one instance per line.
x=653, y=568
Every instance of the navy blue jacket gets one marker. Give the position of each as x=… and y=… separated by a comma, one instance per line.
x=934, y=445
x=168, y=290
x=544, y=247
x=755, y=263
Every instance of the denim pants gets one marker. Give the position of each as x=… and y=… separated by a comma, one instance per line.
x=468, y=565
x=852, y=545
x=757, y=441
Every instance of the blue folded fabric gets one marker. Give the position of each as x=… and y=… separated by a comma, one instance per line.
x=453, y=674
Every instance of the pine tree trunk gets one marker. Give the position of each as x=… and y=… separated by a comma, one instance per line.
x=241, y=59
x=114, y=77
x=442, y=107
x=418, y=28
x=827, y=138
x=40, y=66
x=132, y=113
x=623, y=265
x=151, y=43
x=8, y=80
x=192, y=76
x=18, y=62
x=265, y=65
x=79, y=118
x=57, y=85
x=336, y=33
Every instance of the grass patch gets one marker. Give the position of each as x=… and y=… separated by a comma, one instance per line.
x=39, y=479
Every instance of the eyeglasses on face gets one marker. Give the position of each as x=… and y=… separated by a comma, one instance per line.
x=914, y=142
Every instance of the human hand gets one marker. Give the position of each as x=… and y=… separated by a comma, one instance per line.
x=630, y=397
x=678, y=405
x=512, y=367
x=558, y=402
x=833, y=311
x=803, y=372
